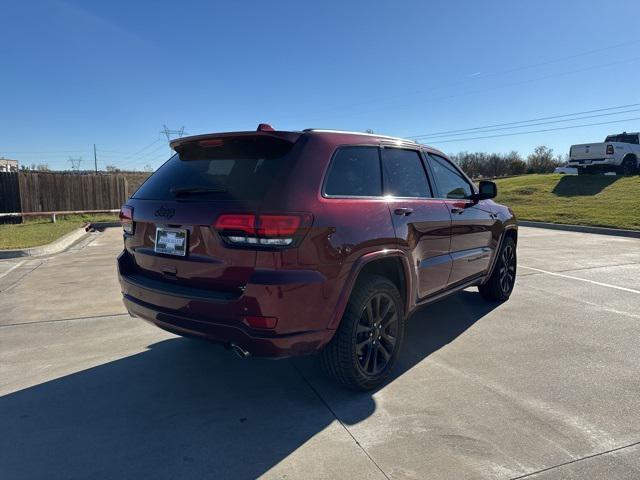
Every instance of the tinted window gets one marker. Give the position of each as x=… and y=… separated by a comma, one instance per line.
x=450, y=182
x=227, y=168
x=355, y=172
x=622, y=138
x=404, y=174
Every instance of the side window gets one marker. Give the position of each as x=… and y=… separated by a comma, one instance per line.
x=404, y=173
x=450, y=183
x=355, y=172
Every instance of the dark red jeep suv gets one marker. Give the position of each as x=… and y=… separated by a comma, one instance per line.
x=281, y=243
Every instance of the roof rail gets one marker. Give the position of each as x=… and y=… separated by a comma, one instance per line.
x=360, y=133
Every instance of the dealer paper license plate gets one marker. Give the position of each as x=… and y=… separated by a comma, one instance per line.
x=172, y=241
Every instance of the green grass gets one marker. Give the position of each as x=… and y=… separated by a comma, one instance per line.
x=596, y=200
x=40, y=231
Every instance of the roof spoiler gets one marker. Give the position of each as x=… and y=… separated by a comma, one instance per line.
x=264, y=129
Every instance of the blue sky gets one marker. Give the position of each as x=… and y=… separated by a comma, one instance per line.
x=112, y=73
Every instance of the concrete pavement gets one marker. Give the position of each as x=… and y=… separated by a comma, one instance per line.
x=544, y=386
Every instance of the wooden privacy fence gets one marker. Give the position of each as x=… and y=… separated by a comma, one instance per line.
x=9, y=192
x=50, y=192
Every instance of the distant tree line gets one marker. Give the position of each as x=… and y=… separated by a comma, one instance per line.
x=40, y=167
x=481, y=164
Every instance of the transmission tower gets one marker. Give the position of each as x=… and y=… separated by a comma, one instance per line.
x=75, y=163
x=172, y=133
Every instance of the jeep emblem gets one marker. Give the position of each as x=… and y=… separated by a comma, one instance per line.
x=165, y=212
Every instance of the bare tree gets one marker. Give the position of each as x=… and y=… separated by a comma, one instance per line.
x=541, y=160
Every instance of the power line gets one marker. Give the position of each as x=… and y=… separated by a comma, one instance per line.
x=134, y=154
x=42, y=152
x=146, y=156
x=435, y=137
x=537, y=131
x=488, y=89
x=564, y=115
x=493, y=74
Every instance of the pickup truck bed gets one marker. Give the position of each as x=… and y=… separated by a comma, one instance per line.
x=618, y=153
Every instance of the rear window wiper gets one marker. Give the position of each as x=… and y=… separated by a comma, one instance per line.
x=196, y=190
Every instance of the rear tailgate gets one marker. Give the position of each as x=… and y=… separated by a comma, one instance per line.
x=588, y=151
x=206, y=178
x=207, y=262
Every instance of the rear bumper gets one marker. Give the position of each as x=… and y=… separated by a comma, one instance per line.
x=218, y=317
x=611, y=162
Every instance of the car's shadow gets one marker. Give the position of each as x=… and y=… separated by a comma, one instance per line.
x=188, y=409
x=583, y=185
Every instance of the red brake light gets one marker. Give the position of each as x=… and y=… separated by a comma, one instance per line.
x=214, y=142
x=257, y=321
x=238, y=222
x=609, y=149
x=278, y=225
x=126, y=218
x=243, y=229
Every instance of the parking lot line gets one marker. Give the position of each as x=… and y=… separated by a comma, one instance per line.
x=624, y=289
x=4, y=274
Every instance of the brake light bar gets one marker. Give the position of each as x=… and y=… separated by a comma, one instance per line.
x=126, y=218
x=267, y=230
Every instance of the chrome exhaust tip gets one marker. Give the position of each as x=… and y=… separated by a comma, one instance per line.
x=239, y=351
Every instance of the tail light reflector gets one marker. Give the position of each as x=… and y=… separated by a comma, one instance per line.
x=258, y=321
x=126, y=218
x=262, y=230
x=609, y=149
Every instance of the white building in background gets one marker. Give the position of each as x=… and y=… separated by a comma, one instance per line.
x=7, y=165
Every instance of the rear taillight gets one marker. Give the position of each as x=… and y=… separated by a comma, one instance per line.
x=248, y=230
x=609, y=149
x=278, y=225
x=237, y=223
x=126, y=219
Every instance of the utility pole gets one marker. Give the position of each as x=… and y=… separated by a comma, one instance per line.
x=95, y=157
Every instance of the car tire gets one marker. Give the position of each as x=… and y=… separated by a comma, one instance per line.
x=629, y=166
x=365, y=347
x=503, y=278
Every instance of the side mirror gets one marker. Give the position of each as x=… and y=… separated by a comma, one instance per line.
x=486, y=190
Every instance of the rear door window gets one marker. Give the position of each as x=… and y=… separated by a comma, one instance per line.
x=622, y=138
x=355, y=172
x=404, y=174
x=241, y=168
x=449, y=180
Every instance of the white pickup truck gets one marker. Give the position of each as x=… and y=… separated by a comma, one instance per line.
x=619, y=152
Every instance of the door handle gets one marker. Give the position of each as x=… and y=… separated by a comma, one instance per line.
x=403, y=211
x=457, y=210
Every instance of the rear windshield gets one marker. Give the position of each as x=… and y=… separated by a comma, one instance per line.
x=241, y=168
x=622, y=138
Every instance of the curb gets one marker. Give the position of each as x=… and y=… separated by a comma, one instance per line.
x=54, y=247
x=99, y=226
x=617, y=232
